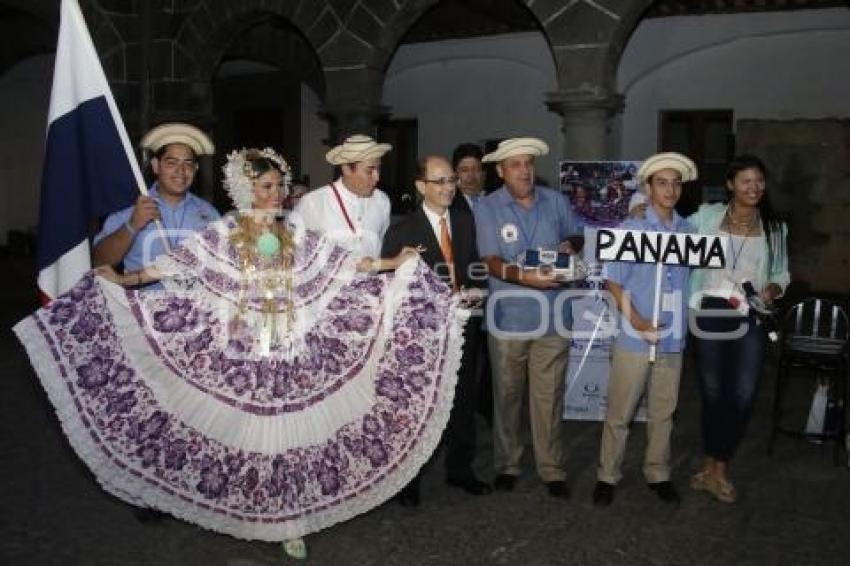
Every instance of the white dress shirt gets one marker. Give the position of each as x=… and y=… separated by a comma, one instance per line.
x=319, y=210
x=434, y=219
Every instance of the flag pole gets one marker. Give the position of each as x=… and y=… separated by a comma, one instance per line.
x=77, y=14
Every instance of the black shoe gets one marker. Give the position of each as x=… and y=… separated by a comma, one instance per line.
x=603, y=494
x=148, y=516
x=504, y=482
x=666, y=492
x=470, y=485
x=409, y=496
x=558, y=489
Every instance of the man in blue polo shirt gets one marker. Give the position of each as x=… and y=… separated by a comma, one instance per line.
x=130, y=236
x=525, y=343
x=632, y=286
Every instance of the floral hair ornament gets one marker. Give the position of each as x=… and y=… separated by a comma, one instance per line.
x=239, y=175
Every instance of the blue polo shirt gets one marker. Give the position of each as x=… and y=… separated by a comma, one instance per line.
x=189, y=215
x=505, y=229
x=639, y=280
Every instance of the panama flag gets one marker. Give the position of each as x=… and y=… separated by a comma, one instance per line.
x=89, y=166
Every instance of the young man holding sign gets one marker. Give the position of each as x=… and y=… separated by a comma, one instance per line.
x=648, y=350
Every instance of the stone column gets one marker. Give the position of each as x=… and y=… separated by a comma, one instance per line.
x=585, y=118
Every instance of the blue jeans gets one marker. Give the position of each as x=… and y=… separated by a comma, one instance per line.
x=729, y=372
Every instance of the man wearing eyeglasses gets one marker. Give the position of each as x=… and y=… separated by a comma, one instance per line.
x=130, y=236
x=448, y=238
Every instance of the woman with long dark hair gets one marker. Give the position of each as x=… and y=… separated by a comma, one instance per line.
x=731, y=344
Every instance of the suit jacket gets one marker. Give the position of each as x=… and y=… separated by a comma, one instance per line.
x=415, y=229
x=460, y=203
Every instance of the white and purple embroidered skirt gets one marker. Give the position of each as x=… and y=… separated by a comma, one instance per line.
x=172, y=410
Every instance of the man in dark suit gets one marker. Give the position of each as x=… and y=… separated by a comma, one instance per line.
x=448, y=239
x=466, y=161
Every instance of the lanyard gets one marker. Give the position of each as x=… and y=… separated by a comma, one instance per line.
x=174, y=239
x=521, y=226
x=737, y=255
x=343, y=208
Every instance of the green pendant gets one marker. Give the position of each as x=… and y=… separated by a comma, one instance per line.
x=268, y=244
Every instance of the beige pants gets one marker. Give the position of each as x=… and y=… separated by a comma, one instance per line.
x=540, y=363
x=631, y=374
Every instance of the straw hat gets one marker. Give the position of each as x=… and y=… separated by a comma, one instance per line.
x=669, y=160
x=177, y=132
x=356, y=148
x=517, y=146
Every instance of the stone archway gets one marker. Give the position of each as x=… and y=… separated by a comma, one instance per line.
x=257, y=77
x=586, y=37
x=209, y=30
x=355, y=58
x=450, y=86
x=29, y=30
x=355, y=40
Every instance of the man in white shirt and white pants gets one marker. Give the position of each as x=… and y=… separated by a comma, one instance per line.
x=350, y=211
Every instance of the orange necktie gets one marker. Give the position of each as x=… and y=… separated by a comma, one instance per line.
x=446, y=248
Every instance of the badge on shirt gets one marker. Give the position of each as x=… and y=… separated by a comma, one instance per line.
x=510, y=233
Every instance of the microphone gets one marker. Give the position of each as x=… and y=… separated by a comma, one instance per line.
x=765, y=316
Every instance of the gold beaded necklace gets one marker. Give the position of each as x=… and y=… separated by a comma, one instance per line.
x=266, y=269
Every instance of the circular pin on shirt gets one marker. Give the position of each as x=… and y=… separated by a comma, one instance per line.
x=510, y=233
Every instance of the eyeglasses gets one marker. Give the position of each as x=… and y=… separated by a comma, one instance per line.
x=174, y=163
x=442, y=181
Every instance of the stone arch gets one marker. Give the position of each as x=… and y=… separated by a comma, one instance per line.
x=210, y=28
x=34, y=32
x=595, y=30
x=586, y=37
x=630, y=18
x=29, y=30
x=355, y=40
x=32, y=27
x=284, y=52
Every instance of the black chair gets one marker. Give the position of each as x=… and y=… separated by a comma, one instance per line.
x=814, y=343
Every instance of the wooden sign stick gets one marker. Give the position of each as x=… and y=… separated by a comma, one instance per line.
x=656, y=309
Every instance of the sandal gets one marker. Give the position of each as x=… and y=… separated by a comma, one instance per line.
x=723, y=490
x=295, y=548
x=700, y=481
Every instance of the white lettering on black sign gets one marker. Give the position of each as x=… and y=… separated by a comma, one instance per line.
x=670, y=248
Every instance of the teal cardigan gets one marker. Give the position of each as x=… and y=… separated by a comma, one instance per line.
x=707, y=220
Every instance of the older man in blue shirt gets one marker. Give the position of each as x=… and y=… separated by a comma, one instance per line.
x=521, y=317
x=130, y=236
x=632, y=286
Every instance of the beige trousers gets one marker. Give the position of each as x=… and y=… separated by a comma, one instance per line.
x=631, y=375
x=540, y=363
